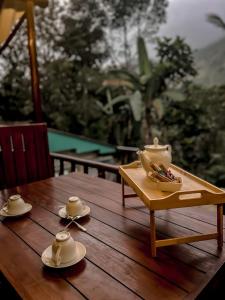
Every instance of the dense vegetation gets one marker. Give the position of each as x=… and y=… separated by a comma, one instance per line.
x=98, y=80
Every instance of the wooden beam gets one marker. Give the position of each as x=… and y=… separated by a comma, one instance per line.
x=153, y=233
x=33, y=60
x=12, y=34
x=220, y=225
x=187, y=239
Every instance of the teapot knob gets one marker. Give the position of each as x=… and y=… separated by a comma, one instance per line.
x=156, y=141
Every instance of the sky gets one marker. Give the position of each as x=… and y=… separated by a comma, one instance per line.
x=187, y=18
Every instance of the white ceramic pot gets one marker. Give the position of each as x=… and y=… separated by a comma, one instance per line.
x=159, y=153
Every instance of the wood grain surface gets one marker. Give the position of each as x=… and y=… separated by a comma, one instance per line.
x=118, y=263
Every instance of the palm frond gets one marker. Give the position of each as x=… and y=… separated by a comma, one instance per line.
x=216, y=20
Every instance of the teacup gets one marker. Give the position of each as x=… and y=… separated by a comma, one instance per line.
x=74, y=206
x=63, y=248
x=15, y=204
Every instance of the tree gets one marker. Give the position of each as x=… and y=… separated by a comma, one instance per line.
x=83, y=38
x=15, y=76
x=69, y=82
x=70, y=46
x=131, y=19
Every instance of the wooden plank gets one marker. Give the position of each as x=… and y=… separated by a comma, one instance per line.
x=140, y=251
x=202, y=260
x=30, y=157
x=172, y=230
x=205, y=214
x=42, y=153
x=28, y=277
x=109, y=239
x=19, y=154
x=99, y=253
x=112, y=194
x=8, y=156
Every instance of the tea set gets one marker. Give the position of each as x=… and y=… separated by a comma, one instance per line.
x=64, y=250
x=156, y=160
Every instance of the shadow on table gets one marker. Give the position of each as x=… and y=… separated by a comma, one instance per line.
x=215, y=289
x=6, y=290
x=72, y=271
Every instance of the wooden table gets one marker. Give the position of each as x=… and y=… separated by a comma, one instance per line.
x=193, y=192
x=118, y=263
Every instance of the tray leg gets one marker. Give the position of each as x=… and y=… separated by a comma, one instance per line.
x=123, y=198
x=152, y=233
x=220, y=225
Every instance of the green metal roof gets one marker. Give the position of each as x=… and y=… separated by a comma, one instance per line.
x=61, y=141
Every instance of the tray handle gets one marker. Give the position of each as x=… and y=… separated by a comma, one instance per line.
x=197, y=194
x=132, y=165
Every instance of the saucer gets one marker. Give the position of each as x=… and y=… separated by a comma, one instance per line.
x=63, y=214
x=46, y=257
x=26, y=209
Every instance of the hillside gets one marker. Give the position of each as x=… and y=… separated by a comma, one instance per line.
x=210, y=62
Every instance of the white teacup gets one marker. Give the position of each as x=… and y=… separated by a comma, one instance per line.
x=63, y=248
x=15, y=205
x=74, y=206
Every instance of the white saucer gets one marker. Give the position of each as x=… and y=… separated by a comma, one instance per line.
x=46, y=257
x=26, y=209
x=63, y=214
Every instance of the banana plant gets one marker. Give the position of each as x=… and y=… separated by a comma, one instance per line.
x=144, y=91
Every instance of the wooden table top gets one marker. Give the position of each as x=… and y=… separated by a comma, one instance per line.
x=118, y=263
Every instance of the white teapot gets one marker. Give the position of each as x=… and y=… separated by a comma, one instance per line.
x=155, y=154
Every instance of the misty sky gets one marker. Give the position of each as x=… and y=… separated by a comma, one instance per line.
x=187, y=18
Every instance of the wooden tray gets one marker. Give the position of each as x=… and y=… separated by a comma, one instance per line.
x=194, y=191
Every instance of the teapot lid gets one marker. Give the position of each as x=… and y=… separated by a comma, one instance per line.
x=156, y=145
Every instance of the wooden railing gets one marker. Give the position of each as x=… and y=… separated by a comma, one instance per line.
x=126, y=154
x=75, y=162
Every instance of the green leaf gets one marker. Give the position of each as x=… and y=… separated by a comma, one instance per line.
x=136, y=105
x=175, y=95
x=115, y=83
x=145, y=66
x=158, y=105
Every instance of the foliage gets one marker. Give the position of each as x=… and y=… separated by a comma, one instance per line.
x=142, y=91
x=195, y=128
x=83, y=39
x=127, y=20
x=70, y=50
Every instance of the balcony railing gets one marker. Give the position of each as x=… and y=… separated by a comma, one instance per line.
x=66, y=163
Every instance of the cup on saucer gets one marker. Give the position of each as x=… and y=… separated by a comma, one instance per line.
x=15, y=205
x=74, y=206
x=63, y=248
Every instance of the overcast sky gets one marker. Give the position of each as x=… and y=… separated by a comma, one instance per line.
x=187, y=18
